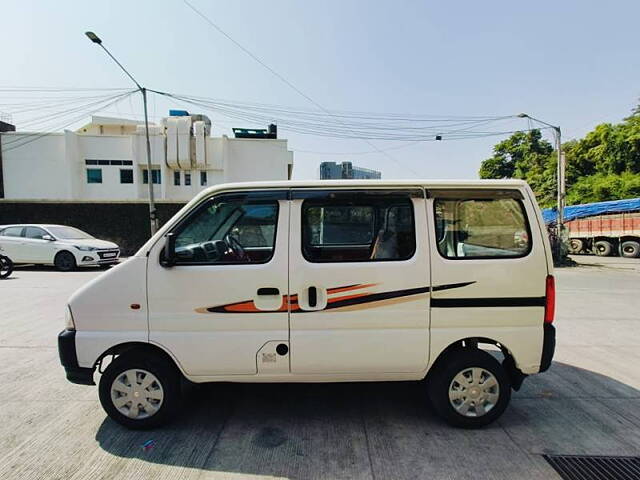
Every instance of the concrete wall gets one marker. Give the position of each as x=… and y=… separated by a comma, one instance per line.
x=35, y=166
x=125, y=223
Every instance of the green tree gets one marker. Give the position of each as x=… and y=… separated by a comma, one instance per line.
x=524, y=155
x=604, y=165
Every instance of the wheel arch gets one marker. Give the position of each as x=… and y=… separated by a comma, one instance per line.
x=629, y=238
x=64, y=250
x=509, y=364
x=139, y=347
x=612, y=240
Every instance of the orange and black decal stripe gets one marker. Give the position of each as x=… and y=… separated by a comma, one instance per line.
x=352, y=299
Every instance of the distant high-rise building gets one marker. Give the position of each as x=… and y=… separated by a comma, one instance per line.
x=346, y=171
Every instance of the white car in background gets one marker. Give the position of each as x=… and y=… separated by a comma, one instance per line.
x=59, y=245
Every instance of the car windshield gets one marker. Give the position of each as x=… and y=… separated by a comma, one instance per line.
x=69, y=233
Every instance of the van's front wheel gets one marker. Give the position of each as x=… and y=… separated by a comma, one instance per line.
x=469, y=388
x=140, y=392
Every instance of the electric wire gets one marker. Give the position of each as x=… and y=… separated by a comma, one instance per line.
x=31, y=137
x=287, y=82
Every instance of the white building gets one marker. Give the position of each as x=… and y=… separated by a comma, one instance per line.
x=107, y=160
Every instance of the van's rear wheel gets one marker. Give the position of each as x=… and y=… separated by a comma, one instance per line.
x=603, y=248
x=140, y=391
x=65, y=261
x=630, y=249
x=469, y=388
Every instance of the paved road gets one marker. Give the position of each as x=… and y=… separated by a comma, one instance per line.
x=588, y=403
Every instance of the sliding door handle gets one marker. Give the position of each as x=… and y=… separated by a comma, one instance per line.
x=313, y=297
x=268, y=291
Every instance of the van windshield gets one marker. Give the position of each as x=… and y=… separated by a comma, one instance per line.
x=68, y=233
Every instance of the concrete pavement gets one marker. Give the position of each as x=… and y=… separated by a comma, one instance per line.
x=587, y=403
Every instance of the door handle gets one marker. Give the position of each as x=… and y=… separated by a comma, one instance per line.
x=313, y=297
x=268, y=291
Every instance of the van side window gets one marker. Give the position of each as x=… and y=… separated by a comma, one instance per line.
x=361, y=230
x=229, y=229
x=481, y=228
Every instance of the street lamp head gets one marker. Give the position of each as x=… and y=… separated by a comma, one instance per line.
x=522, y=115
x=93, y=37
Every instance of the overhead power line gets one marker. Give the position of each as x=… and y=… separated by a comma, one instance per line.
x=283, y=79
x=22, y=140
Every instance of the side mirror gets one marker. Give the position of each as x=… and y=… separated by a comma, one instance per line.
x=48, y=237
x=168, y=258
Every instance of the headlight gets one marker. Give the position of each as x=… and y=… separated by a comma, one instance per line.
x=85, y=249
x=69, y=324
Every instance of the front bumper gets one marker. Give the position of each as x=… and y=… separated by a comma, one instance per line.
x=69, y=359
x=99, y=257
x=548, y=347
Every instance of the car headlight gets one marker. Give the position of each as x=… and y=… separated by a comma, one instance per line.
x=85, y=249
x=69, y=324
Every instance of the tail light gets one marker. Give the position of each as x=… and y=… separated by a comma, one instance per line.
x=550, y=302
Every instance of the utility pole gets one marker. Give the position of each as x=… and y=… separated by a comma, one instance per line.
x=152, y=204
x=560, y=185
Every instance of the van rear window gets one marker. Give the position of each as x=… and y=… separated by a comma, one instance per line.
x=469, y=228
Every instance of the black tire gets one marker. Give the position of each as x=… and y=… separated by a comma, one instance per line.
x=65, y=261
x=630, y=249
x=442, y=378
x=168, y=378
x=575, y=245
x=6, y=266
x=603, y=248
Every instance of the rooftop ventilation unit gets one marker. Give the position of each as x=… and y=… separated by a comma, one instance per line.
x=271, y=132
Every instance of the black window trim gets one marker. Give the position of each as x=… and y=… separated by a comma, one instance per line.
x=462, y=195
x=264, y=195
x=358, y=197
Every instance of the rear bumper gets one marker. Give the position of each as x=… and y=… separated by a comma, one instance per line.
x=548, y=347
x=69, y=359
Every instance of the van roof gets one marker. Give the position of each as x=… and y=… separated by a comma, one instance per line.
x=510, y=183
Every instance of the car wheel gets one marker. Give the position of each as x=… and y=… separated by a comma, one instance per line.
x=603, y=248
x=469, y=389
x=65, y=261
x=6, y=266
x=140, y=392
x=575, y=245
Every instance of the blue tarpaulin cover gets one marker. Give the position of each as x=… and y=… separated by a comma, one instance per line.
x=588, y=209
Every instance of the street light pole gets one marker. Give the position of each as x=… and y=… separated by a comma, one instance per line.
x=560, y=175
x=152, y=204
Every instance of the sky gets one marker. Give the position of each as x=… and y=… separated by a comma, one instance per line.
x=573, y=63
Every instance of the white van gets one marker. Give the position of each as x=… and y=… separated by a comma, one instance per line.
x=338, y=281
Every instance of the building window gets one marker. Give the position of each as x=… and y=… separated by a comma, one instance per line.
x=126, y=175
x=155, y=176
x=108, y=162
x=203, y=178
x=187, y=178
x=94, y=175
x=176, y=178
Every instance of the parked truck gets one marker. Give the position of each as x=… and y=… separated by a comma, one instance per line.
x=603, y=228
